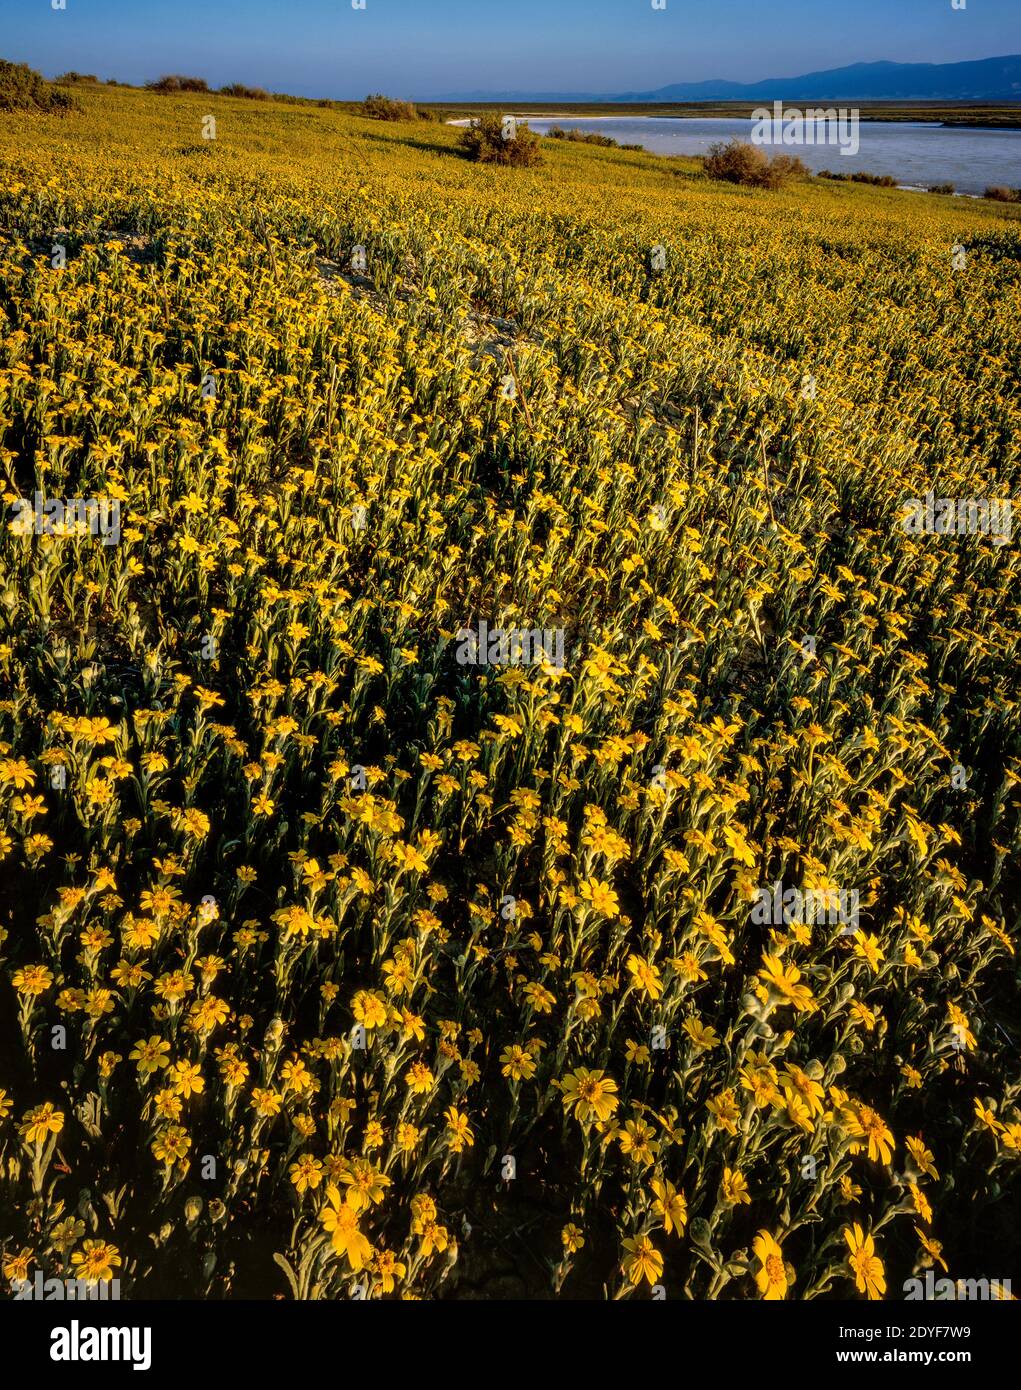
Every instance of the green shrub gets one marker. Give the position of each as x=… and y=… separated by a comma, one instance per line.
x=1001, y=194
x=942, y=188
x=380, y=108
x=485, y=141
x=238, y=89
x=750, y=166
x=72, y=78
x=876, y=180
x=23, y=89
x=581, y=137
x=174, y=82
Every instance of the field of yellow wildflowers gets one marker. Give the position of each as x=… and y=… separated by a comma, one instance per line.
x=334, y=963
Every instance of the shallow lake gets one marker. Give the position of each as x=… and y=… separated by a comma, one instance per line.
x=913, y=152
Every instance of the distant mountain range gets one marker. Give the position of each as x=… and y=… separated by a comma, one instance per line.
x=988, y=79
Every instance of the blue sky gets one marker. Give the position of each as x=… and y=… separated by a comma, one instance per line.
x=429, y=48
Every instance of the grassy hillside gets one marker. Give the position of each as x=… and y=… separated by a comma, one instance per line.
x=378, y=967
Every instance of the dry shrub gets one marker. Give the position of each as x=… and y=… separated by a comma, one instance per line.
x=748, y=165
x=485, y=142
x=380, y=108
x=174, y=82
x=238, y=89
x=24, y=89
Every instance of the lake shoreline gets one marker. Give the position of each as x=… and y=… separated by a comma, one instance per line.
x=685, y=116
x=917, y=156
x=934, y=114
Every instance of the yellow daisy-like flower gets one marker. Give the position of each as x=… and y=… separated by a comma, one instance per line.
x=642, y=1260
x=771, y=1276
x=419, y=1078
x=783, y=981
x=150, y=1056
x=15, y=1267
x=369, y=1009
x=39, y=1123
x=388, y=1269
x=517, y=1064
x=187, y=1079
x=340, y=1219
x=600, y=897
x=460, y=1133
x=591, y=1094
x=647, y=978
x=96, y=1261
x=572, y=1238
x=864, y=1124
x=306, y=1173
x=670, y=1204
x=865, y=1264
x=734, y=1188
x=32, y=979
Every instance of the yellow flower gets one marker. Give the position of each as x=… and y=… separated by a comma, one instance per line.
x=932, y=1248
x=865, y=1265
x=460, y=1132
x=572, y=1238
x=408, y=1137
x=703, y=1036
x=921, y=1202
x=600, y=896
x=516, y=1063
x=419, y=1078
x=637, y=1141
x=15, y=1267
x=434, y=1237
x=734, y=1188
x=150, y=1056
x=771, y=1276
x=171, y=1145
x=265, y=1103
x=642, y=1260
x=783, y=980
x=40, y=1122
x=296, y=1076
x=647, y=978
x=187, y=1079
x=725, y=1111
x=306, y=1173
x=388, y=1269
x=369, y=1009
x=960, y=1028
x=867, y=948
x=341, y=1220
x=670, y=1205
x=921, y=1157
x=863, y=1123
x=96, y=1261
x=16, y=772
x=366, y=1185
x=986, y=1116
x=32, y=979
x=591, y=1094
